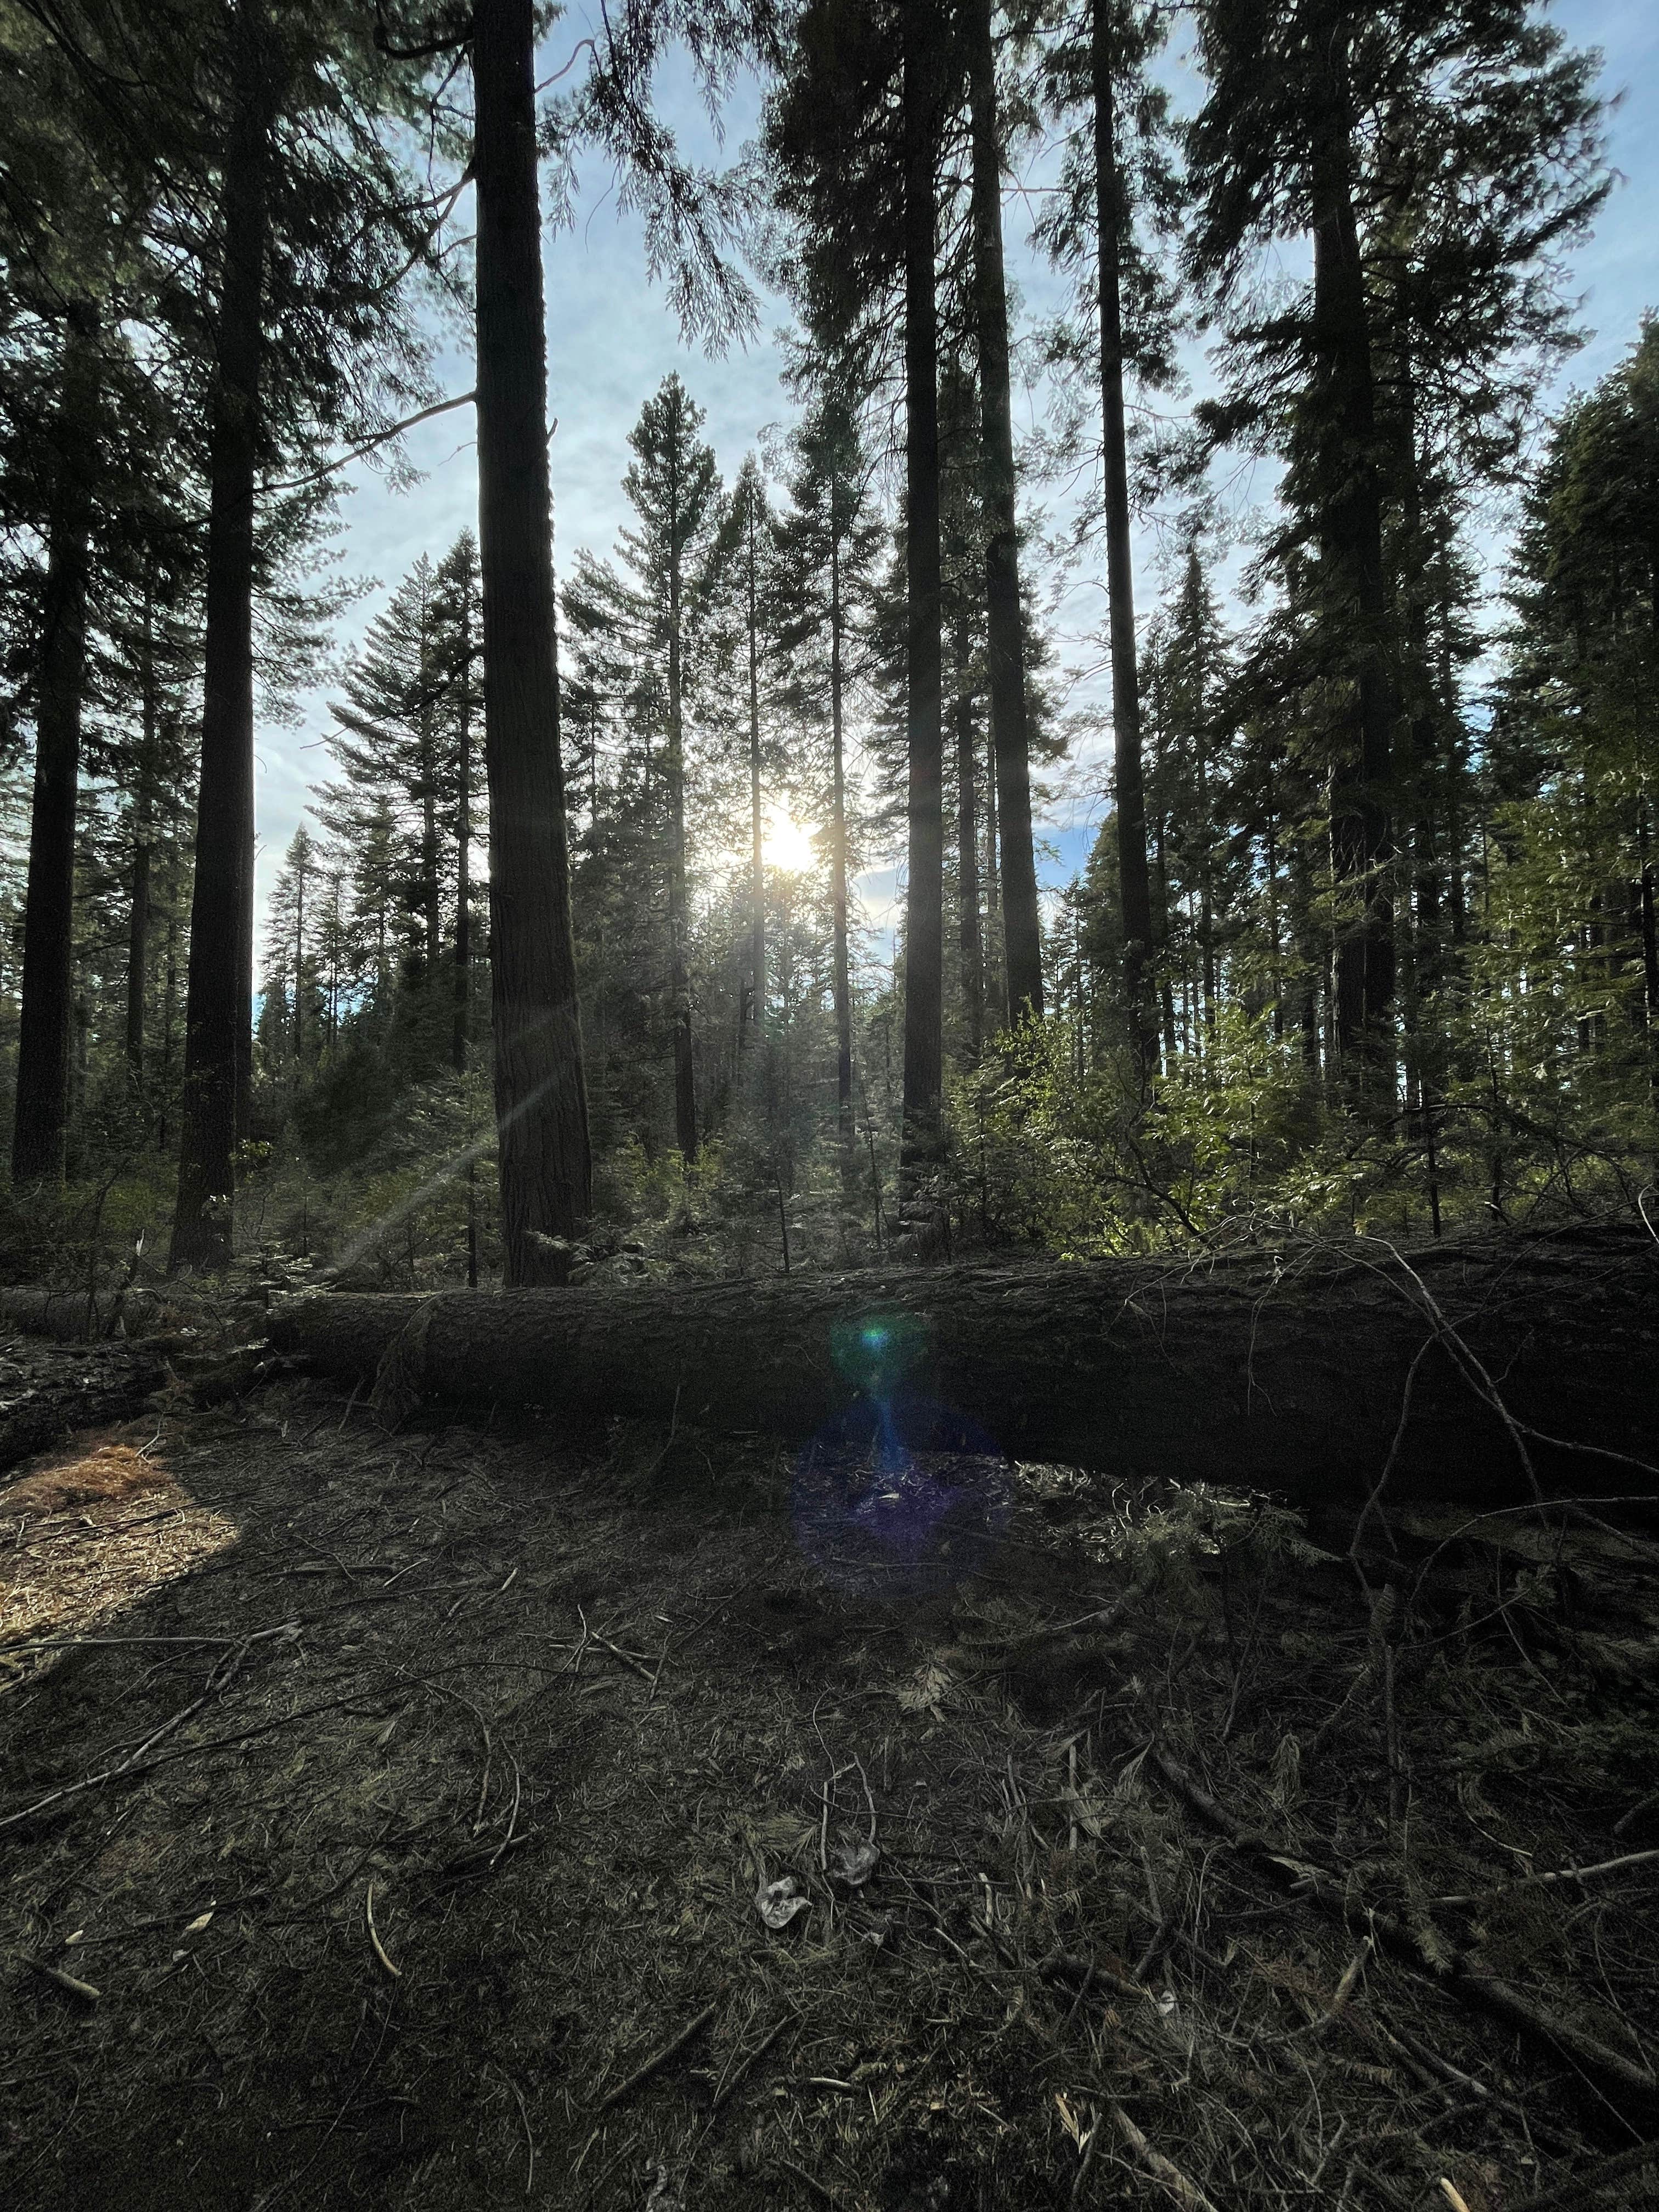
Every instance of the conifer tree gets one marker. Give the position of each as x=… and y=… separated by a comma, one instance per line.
x=1009, y=706
x=657, y=612
x=1366, y=129
x=920, y=99
x=750, y=526
x=457, y=609
x=829, y=544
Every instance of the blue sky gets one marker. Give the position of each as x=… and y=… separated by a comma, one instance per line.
x=611, y=339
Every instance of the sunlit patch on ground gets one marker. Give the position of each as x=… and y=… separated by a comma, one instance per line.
x=86, y=1538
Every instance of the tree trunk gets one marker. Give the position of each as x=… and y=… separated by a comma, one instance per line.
x=843, y=980
x=1239, y=1372
x=299, y=967
x=143, y=809
x=541, y=1097
x=217, y=997
x=460, y=1032
x=924, y=913
x=996, y=967
x=1349, y=521
x=685, y=1083
x=64, y=1394
x=169, y=1001
x=758, y=857
x=43, y=1038
x=461, y=1026
x=1004, y=625
x=1134, y=888
x=1648, y=929
x=431, y=901
x=969, y=935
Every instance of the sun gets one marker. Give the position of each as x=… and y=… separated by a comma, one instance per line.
x=786, y=843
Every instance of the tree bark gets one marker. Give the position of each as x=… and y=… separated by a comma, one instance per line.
x=431, y=901
x=63, y=1395
x=299, y=965
x=462, y=1022
x=924, y=913
x=1239, y=1372
x=1353, y=582
x=43, y=1040
x=1135, y=886
x=1004, y=625
x=541, y=1096
x=757, y=858
x=143, y=810
x=220, y=980
x=685, y=1079
x=841, y=985
x=969, y=931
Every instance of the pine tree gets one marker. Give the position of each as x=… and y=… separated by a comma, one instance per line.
x=1006, y=649
x=920, y=91
x=294, y=1008
x=1575, y=738
x=829, y=541
x=1119, y=196
x=389, y=739
x=457, y=609
x=750, y=528
x=655, y=617
x=1439, y=220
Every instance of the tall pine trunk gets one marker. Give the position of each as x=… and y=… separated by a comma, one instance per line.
x=461, y=1025
x=1135, y=886
x=143, y=810
x=685, y=1083
x=541, y=1096
x=924, y=914
x=43, y=1040
x=169, y=1002
x=757, y=859
x=969, y=931
x=843, y=981
x=298, y=966
x=1353, y=582
x=218, y=990
x=1005, y=635
x=996, y=968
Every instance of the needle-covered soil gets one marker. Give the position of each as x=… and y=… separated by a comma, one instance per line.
x=405, y=1799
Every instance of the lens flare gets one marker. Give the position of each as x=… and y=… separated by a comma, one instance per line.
x=899, y=1497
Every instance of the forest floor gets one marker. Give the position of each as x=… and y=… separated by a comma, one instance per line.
x=408, y=1800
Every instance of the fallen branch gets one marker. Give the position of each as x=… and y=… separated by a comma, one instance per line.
x=1642, y=2158
x=1186, y=2193
x=1466, y=1977
x=396, y=1972
x=82, y=1991
x=746, y=2065
x=1560, y=1874
x=660, y=2058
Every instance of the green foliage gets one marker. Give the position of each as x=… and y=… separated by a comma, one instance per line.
x=1056, y=1146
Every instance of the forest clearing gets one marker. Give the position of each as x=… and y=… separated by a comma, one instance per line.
x=829, y=1012
x=390, y=1811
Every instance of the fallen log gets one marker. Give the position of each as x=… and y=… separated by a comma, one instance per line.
x=1476, y=1372
x=74, y=1317
x=48, y=1397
